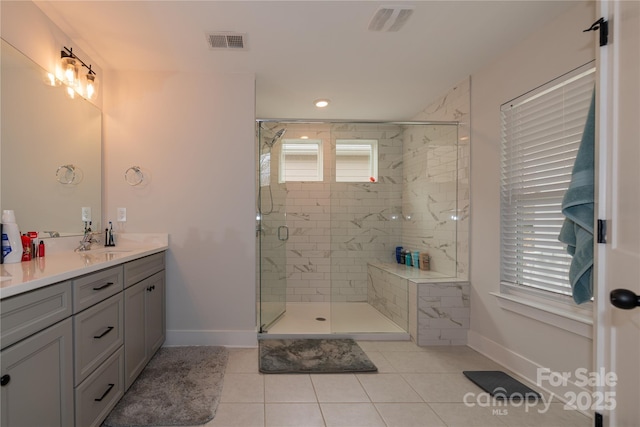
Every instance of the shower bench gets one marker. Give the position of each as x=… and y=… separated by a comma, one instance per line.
x=438, y=305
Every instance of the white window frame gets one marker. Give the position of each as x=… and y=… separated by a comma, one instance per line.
x=559, y=107
x=369, y=146
x=290, y=146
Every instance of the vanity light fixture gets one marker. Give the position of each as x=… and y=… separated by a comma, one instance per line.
x=321, y=103
x=70, y=68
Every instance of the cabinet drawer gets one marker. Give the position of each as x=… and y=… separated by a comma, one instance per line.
x=95, y=287
x=26, y=314
x=142, y=268
x=98, y=332
x=100, y=392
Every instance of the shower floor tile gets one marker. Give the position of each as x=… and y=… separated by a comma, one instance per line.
x=351, y=317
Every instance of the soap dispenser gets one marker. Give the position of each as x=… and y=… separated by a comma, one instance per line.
x=11, y=239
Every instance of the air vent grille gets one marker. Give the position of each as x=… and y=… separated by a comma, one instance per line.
x=390, y=18
x=227, y=41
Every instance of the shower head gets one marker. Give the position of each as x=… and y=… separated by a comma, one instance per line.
x=276, y=137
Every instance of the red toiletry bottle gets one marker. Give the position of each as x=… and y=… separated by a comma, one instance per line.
x=41, y=249
x=26, y=248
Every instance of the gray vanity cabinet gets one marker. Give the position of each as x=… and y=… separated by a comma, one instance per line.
x=68, y=350
x=144, y=305
x=37, y=358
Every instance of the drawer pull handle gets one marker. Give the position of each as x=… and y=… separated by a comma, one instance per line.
x=109, y=328
x=151, y=288
x=105, y=393
x=106, y=285
x=4, y=380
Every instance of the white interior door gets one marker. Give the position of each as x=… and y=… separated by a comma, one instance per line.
x=617, y=344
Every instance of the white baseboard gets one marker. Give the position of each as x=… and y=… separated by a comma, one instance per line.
x=247, y=338
x=524, y=368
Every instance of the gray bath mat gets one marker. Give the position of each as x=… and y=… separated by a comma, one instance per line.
x=501, y=386
x=181, y=386
x=316, y=356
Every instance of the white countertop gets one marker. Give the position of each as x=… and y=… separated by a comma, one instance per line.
x=61, y=263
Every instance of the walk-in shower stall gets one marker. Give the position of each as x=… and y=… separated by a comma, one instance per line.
x=334, y=200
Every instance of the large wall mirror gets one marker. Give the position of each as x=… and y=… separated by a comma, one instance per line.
x=50, y=150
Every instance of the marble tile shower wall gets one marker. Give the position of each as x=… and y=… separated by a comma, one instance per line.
x=429, y=195
x=336, y=228
x=366, y=224
x=455, y=105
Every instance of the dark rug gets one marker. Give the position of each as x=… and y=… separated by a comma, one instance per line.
x=181, y=386
x=501, y=386
x=316, y=356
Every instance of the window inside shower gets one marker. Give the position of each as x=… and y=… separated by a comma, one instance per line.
x=382, y=185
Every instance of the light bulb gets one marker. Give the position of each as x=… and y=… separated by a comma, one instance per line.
x=91, y=86
x=70, y=70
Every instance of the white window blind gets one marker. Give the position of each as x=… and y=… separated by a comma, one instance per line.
x=301, y=161
x=541, y=133
x=356, y=160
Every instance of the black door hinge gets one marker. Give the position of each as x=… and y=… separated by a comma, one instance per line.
x=598, y=421
x=602, y=231
x=603, y=26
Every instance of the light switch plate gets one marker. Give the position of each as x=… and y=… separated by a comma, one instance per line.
x=122, y=214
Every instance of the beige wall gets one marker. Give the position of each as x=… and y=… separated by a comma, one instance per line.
x=193, y=136
x=517, y=341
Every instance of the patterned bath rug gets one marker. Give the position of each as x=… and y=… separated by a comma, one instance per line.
x=312, y=356
x=181, y=386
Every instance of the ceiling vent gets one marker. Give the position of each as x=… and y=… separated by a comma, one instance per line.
x=227, y=41
x=390, y=18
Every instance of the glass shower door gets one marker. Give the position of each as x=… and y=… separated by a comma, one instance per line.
x=272, y=233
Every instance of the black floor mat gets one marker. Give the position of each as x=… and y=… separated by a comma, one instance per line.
x=500, y=385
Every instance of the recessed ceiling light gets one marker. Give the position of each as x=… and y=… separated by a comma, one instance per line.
x=321, y=103
x=304, y=137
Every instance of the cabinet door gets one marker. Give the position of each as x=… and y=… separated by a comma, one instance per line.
x=37, y=379
x=144, y=312
x=134, y=334
x=155, y=320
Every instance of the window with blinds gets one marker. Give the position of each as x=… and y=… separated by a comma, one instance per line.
x=541, y=133
x=356, y=160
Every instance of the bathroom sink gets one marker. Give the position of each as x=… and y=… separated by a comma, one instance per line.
x=108, y=251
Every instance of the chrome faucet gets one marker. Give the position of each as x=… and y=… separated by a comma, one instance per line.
x=88, y=239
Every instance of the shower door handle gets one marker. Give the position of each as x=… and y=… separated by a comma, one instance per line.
x=283, y=233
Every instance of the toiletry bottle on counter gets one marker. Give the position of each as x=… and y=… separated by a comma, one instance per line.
x=424, y=261
x=11, y=240
x=41, y=249
x=398, y=254
x=407, y=258
x=415, y=258
x=26, y=247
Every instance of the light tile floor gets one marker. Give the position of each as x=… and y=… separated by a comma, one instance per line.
x=414, y=386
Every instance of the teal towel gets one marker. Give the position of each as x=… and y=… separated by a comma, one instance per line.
x=577, y=207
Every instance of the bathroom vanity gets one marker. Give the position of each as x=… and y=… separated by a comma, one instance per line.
x=77, y=328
